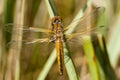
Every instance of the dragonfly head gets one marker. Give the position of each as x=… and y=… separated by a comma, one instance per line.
x=56, y=20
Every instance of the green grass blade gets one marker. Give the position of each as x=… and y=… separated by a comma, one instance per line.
x=97, y=57
x=102, y=57
x=9, y=6
x=98, y=49
x=114, y=42
x=51, y=8
x=89, y=52
x=69, y=64
x=47, y=66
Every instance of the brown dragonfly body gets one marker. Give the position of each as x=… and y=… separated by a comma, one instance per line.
x=58, y=37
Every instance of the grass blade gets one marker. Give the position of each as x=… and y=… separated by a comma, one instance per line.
x=47, y=66
x=51, y=8
x=70, y=67
x=13, y=70
x=89, y=52
x=102, y=57
x=114, y=41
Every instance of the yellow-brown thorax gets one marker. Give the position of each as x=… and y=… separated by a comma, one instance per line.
x=57, y=28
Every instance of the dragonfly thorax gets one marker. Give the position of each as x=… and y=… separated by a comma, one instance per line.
x=57, y=28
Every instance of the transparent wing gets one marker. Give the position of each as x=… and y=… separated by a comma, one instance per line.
x=82, y=20
x=29, y=42
x=30, y=35
x=86, y=32
x=76, y=37
x=9, y=28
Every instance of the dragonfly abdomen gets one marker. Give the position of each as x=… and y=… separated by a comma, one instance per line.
x=60, y=55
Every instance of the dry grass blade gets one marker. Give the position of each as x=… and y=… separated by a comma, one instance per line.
x=14, y=54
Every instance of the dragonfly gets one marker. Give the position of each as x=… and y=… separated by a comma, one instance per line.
x=58, y=37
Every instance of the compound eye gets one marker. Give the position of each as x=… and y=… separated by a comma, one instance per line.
x=57, y=21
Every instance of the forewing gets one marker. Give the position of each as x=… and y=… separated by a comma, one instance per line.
x=10, y=27
x=89, y=18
